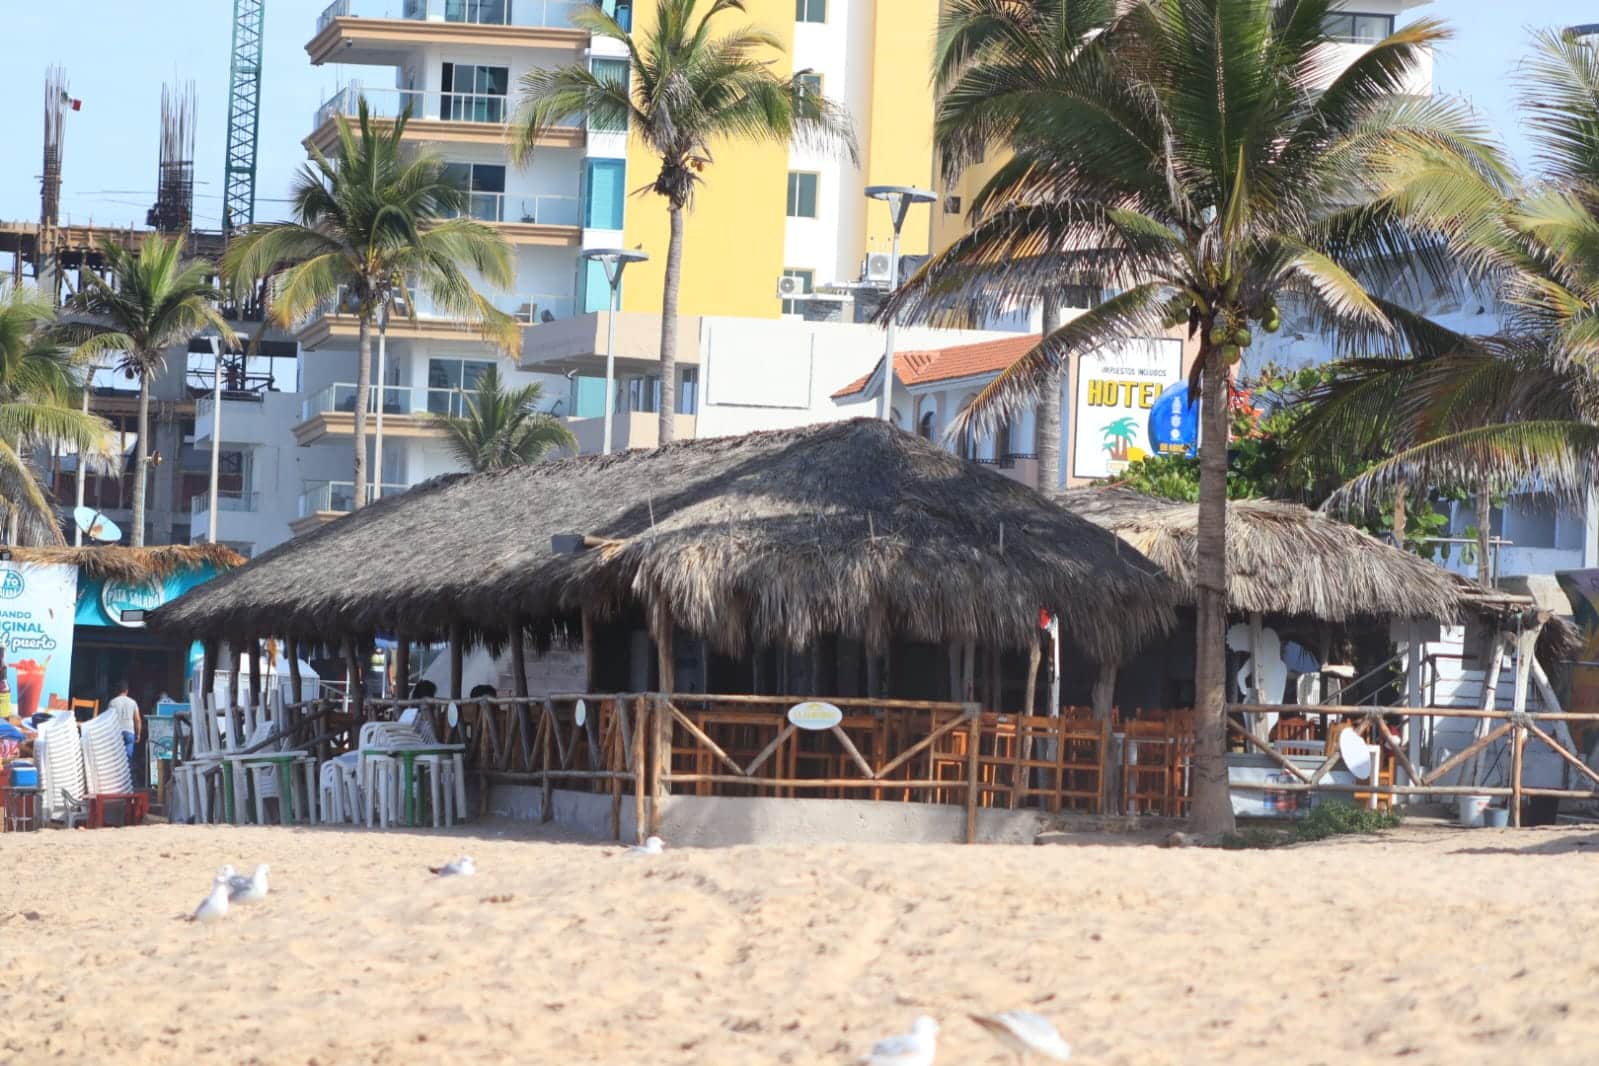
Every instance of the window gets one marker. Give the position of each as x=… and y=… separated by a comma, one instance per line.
x=810, y=84
x=952, y=205
x=487, y=12
x=1351, y=28
x=924, y=428
x=620, y=10
x=801, y=195
x=604, y=189
x=613, y=72
x=644, y=394
x=485, y=186
x=446, y=377
x=474, y=93
x=688, y=390
x=806, y=279
x=596, y=286
x=810, y=10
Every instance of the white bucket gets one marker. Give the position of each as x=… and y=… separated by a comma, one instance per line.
x=1471, y=808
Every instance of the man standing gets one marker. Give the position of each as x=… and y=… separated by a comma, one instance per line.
x=123, y=706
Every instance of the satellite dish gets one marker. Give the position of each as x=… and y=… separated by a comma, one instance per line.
x=1355, y=754
x=452, y=715
x=580, y=713
x=95, y=525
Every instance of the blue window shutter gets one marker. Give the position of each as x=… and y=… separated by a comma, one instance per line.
x=596, y=290
x=606, y=189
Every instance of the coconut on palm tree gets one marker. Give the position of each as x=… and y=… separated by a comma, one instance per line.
x=370, y=226
x=687, y=91
x=1195, y=159
x=998, y=61
x=154, y=301
x=500, y=427
x=39, y=385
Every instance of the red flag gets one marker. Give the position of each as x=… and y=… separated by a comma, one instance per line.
x=67, y=101
x=77, y=105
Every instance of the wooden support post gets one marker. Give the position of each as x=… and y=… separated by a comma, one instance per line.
x=296, y=684
x=1021, y=774
x=874, y=675
x=1526, y=650
x=1105, y=692
x=664, y=662
x=974, y=738
x=1518, y=747
x=954, y=672
x=968, y=672
x=357, y=691
x=208, y=670
x=661, y=765
x=1487, y=699
x=457, y=652
x=1413, y=698
x=519, y=686
x=642, y=723
x=590, y=653
x=546, y=812
x=254, y=647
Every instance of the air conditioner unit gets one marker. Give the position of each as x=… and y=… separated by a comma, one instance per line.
x=879, y=267
x=790, y=288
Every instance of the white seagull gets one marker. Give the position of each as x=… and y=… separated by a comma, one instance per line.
x=915, y=1048
x=462, y=867
x=1026, y=1034
x=652, y=846
x=247, y=889
x=215, y=905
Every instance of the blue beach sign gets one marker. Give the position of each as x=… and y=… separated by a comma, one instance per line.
x=1174, y=422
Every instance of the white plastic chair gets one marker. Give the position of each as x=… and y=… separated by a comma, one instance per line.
x=58, y=750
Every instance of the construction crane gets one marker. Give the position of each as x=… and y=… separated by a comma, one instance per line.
x=244, y=115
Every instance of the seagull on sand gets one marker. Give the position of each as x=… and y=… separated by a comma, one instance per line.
x=915, y=1048
x=652, y=846
x=462, y=867
x=1026, y=1034
x=247, y=889
x=215, y=905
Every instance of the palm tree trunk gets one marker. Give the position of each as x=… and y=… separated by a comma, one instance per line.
x=363, y=385
x=1399, y=515
x=1213, y=809
x=1485, y=519
x=674, y=268
x=141, y=459
x=1046, y=420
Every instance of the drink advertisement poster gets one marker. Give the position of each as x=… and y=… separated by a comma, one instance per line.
x=37, y=610
x=1116, y=390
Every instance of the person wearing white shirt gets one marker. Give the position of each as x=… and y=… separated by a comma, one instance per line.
x=124, y=706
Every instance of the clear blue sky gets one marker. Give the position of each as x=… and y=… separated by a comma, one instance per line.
x=117, y=54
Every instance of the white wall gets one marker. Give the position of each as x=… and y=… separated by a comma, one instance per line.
x=777, y=373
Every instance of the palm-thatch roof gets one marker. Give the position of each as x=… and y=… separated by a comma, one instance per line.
x=133, y=564
x=1281, y=558
x=774, y=538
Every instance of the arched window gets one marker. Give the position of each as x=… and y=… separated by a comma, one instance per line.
x=925, y=427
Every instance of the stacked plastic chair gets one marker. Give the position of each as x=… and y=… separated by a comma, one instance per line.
x=107, y=775
x=59, y=753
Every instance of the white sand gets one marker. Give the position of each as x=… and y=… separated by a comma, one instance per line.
x=1430, y=946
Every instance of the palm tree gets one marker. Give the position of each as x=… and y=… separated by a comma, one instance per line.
x=154, y=301
x=502, y=427
x=1489, y=413
x=686, y=91
x=369, y=225
x=997, y=60
x=39, y=384
x=1193, y=158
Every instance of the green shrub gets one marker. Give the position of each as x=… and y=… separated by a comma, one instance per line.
x=1340, y=819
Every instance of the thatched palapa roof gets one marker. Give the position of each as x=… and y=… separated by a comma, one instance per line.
x=774, y=538
x=122, y=563
x=1281, y=558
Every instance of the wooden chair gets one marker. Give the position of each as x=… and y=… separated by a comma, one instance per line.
x=92, y=706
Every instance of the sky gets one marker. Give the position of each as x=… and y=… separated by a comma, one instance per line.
x=118, y=53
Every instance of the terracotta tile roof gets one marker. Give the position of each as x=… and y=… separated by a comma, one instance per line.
x=949, y=364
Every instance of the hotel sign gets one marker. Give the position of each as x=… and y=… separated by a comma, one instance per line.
x=1116, y=390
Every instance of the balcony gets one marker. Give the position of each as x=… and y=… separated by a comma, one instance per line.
x=236, y=511
x=629, y=429
x=383, y=31
x=407, y=412
x=451, y=118
x=334, y=321
x=323, y=501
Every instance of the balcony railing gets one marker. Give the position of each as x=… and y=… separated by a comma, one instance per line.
x=227, y=500
x=554, y=14
x=321, y=497
x=529, y=308
x=550, y=209
x=397, y=400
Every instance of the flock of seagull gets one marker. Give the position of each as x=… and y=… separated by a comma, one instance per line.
x=1021, y=1031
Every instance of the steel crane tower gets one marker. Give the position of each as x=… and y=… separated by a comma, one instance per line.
x=244, y=115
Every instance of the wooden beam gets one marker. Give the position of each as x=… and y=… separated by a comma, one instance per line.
x=296, y=684
x=590, y=656
x=519, y=687
x=974, y=739
x=1105, y=692
x=642, y=723
x=402, y=666
x=357, y=691
x=457, y=655
x=254, y=646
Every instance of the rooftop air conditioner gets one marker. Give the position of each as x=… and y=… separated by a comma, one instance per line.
x=879, y=268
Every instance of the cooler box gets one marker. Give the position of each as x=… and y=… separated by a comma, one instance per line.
x=23, y=774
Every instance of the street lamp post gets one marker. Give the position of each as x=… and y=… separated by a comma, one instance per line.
x=899, y=199
x=615, y=260
x=216, y=435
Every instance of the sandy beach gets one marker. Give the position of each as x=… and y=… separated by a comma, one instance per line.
x=1430, y=945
